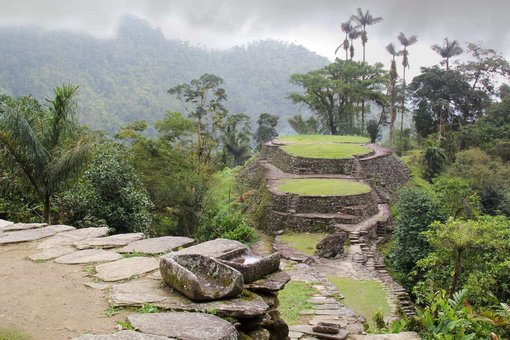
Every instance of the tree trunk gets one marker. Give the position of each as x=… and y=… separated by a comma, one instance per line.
x=456, y=272
x=47, y=206
x=403, y=110
x=332, y=125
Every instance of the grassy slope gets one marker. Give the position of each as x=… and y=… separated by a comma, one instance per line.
x=325, y=151
x=364, y=297
x=293, y=300
x=323, y=138
x=305, y=242
x=6, y=334
x=323, y=187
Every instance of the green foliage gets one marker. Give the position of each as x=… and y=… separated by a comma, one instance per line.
x=45, y=144
x=236, y=139
x=434, y=161
x=223, y=221
x=457, y=197
x=110, y=191
x=293, y=299
x=373, y=130
x=266, y=128
x=451, y=318
x=416, y=210
x=147, y=309
x=472, y=254
x=304, y=127
x=11, y=334
x=378, y=320
x=315, y=139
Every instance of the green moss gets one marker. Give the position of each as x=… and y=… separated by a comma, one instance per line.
x=326, y=151
x=304, y=242
x=293, y=299
x=10, y=334
x=323, y=139
x=365, y=297
x=323, y=187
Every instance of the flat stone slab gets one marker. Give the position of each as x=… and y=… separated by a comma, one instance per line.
x=157, y=245
x=88, y=256
x=67, y=238
x=342, y=334
x=398, y=336
x=122, y=335
x=23, y=226
x=183, y=325
x=52, y=253
x=147, y=291
x=124, y=269
x=4, y=223
x=219, y=248
x=270, y=284
x=27, y=235
x=113, y=241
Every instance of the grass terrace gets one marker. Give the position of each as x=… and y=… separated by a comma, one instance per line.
x=326, y=150
x=323, y=187
x=293, y=299
x=304, y=139
x=303, y=242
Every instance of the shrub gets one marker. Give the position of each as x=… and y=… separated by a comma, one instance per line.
x=434, y=160
x=373, y=130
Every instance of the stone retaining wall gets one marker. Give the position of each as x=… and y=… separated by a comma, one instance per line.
x=291, y=221
x=307, y=166
x=385, y=173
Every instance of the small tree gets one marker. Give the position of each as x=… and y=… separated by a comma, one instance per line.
x=266, y=128
x=373, y=130
x=434, y=160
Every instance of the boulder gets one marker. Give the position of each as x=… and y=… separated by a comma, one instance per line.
x=88, y=256
x=146, y=291
x=333, y=245
x=124, y=269
x=254, y=267
x=270, y=284
x=122, y=335
x=114, y=241
x=219, y=248
x=201, y=278
x=184, y=325
x=157, y=245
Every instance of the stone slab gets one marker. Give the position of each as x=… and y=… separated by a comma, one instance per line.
x=157, y=245
x=51, y=253
x=27, y=235
x=98, y=285
x=398, y=336
x=146, y=291
x=342, y=334
x=67, y=238
x=114, y=241
x=122, y=335
x=184, y=325
x=124, y=269
x=4, y=223
x=88, y=256
x=23, y=226
x=271, y=283
x=219, y=248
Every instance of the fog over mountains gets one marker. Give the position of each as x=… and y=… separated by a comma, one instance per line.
x=126, y=78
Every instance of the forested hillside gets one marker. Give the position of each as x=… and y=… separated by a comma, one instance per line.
x=126, y=78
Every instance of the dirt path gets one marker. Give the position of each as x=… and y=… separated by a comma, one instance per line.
x=48, y=300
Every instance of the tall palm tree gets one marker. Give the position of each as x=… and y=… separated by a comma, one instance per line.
x=405, y=42
x=351, y=34
x=45, y=144
x=364, y=19
x=448, y=50
x=393, y=89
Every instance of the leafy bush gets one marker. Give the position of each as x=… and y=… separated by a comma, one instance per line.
x=416, y=210
x=457, y=197
x=373, y=130
x=434, y=160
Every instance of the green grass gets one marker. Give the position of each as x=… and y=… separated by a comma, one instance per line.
x=304, y=242
x=365, y=297
x=293, y=299
x=10, y=334
x=223, y=185
x=325, y=151
x=323, y=139
x=323, y=187
x=412, y=160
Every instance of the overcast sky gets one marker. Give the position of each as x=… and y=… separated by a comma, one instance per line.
x=312, y=23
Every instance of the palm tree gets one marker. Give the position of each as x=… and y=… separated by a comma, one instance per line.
x=393, y=89
x=351, y=33
x=448, y=50
x=45, y=144
x=405, y=42
x=364, y=19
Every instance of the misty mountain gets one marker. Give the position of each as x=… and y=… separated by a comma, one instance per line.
x=126, y=78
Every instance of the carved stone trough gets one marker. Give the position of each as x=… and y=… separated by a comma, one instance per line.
x=254, y=267
x=201, y=278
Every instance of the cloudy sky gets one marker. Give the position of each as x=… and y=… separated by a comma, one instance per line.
x=312, y=23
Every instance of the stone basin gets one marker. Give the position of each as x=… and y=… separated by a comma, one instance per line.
x=201, y=278
x=254, y=267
